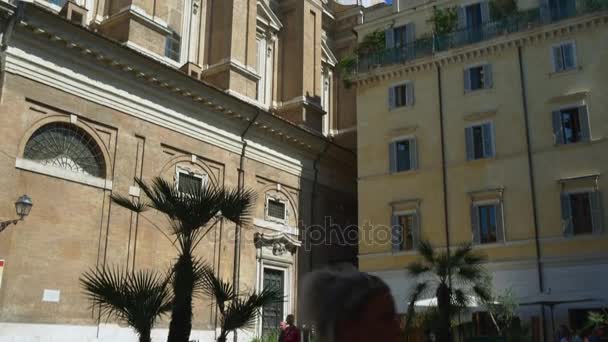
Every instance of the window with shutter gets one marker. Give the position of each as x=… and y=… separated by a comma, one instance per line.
x=405, y=227
x=403, y=155
x=401, y=95
x=571, y=125
x=564, y=57
x=480, y=141
x=478, y=77
x=487, y=224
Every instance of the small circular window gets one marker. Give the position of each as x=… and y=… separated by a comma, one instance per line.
x=66, y=146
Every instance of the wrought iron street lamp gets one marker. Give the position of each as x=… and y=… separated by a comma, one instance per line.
x=22, y=207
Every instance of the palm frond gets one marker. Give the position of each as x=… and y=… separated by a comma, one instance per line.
x=459, y=298
x=208, y=284
x=474, y=258
x=469, y=273
x=236, y=205
x=426, y=250
x=136, y=298
x=417, y=292
x=242, y=312
x=132, y=204
x=442, y=266
x=416, y=268
x=483, y=292
x=458, y=256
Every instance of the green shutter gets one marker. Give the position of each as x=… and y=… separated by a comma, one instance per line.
x=597, y=214
x=389, y=38
x=566, y=215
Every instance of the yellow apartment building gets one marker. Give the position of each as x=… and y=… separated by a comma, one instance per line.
x=489, y=127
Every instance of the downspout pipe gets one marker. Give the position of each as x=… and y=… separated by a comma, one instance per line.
x=313, y=196
x=443, y=163
x=237, y=231
x=6, y=33
x=539, y=265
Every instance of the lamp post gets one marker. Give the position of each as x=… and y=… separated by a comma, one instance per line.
x=22, y=207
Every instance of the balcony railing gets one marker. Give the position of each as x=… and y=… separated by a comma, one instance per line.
x=524, y=20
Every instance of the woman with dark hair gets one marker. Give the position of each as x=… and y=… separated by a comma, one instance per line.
x=349, y=306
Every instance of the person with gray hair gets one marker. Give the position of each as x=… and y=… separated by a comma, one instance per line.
x=349, y=306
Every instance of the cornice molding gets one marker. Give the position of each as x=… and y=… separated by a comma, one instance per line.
x=482, y=49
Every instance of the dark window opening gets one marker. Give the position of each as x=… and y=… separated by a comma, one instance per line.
x=487, y=223
x=276, y=209
x=189, y=183
x=478, y=142
x=403, y=155
x=477, y=78
x=406, y=224
x=571, y=125
x=474, y=19
x=581, y=213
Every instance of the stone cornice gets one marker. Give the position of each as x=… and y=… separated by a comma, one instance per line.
x=482, y=49
x=109, y=54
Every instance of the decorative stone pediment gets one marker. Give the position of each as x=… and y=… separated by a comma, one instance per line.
x=327, y=55
x=267, y=16
x=279, y=242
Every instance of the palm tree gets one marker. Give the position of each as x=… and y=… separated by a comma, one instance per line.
x=236, y=311
x=189, y=213
x=452, y=277
x=136, y=298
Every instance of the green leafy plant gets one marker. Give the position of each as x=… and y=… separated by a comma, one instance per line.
x=444, y=20
x=272, y=336
x=236, y=311
x=191, y=214
x=597, y=319
x=502, y=9
x=371, y=43
x=436, y=273
x=135, y=298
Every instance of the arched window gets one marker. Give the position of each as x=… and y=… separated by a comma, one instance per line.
x=68, y=147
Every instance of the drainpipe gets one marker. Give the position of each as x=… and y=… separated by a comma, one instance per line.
x=524, y=100
x=443, y=164
x=237, y=231
x=6, y=33
x=313, y=196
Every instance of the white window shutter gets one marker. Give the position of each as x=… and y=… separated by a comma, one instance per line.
x=558, y=133
x=409, y=97
x=470, y=148
x=488, y=140
x=569, y=56
x=392, y=157
x=566, y=215
x=558, y=60
x=413, y=154
x=467, y=80
x=583, y=117
x=396, y=234
x=391, y=97
x=475, y=224
x=389, y=38
x=597, y=214
x=487, y=76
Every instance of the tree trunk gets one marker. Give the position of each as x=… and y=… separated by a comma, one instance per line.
x=183, y=285
x=443, y=306
x=145, y=337
x=222, y=337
